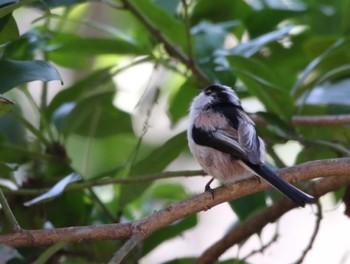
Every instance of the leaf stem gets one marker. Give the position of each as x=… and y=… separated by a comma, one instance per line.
x=8, y=213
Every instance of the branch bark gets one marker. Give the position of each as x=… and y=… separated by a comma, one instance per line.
x=268, y=215
x=323, y=120
x=174, y=212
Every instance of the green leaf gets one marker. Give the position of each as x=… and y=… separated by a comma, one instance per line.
x=262, y=83
x=168, y=232
x=156, y=161
x=180, y=102
x=92, y=157
x=80, y=88
x=56, y=190
x=72, y=50
x=278, y=126
x=14, y=73
x=166, y=25
x=5, y=105
x=51, y=251
x=8, y=9
x=95, y=116
x=8, y=29
x=220, y=10
x=246, y=206
x=313, y=64
x=249, y=48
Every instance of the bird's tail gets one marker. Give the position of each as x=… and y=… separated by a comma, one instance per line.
x=299, y=197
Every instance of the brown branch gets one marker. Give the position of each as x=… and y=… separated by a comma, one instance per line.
x=201, y=202
x=323, y=120
x=170, y=47
x=272, y=213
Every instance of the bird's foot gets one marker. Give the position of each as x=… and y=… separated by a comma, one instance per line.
x=209, y=189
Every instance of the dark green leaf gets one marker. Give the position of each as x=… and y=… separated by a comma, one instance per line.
x=5, y=105
x=263, y=84
x=314, y=63
x=278, y=126
x=8, y=29
x=220, y=10
x=180, y=102
x=168, y=232
x=155, y=162
x=246, y=206
x=14, y=73
x=80, y=88
x=167, y=25
x=6, y=10
x=94, y=116
x=56, y=3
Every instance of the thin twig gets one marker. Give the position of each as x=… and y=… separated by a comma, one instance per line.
x=323, y=120
x=131, y=179
x=319, y=217
x=15, y=227
x=263, y=247
x=134, y=240
x=201, y=202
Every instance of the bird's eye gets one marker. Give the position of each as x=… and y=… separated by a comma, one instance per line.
x=208, y=91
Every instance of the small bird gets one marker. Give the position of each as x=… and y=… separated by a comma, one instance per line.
x=223, y=139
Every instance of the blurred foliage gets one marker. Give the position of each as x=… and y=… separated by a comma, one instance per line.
x=291, y=56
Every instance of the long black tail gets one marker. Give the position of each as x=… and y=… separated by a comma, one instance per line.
x=293, y=193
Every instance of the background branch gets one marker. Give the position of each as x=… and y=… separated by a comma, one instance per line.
x=201, y=202
x=268, y=215
x=171, y=49
x=322, y=120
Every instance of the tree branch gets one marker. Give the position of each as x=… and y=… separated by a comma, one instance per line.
x=270, y=214
x=201, y=202
x=171, y=49
x=323, y=120
x=314, y=234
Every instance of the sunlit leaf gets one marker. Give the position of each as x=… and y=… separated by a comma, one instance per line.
x=92, y=156
x=56, y=190
x=14, y=73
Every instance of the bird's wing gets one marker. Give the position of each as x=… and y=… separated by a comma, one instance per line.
x=249, y=141
x=223, y=140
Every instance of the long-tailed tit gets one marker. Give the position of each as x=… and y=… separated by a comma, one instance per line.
x=224, y=141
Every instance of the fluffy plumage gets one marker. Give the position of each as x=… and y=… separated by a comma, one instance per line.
x=224, y=141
